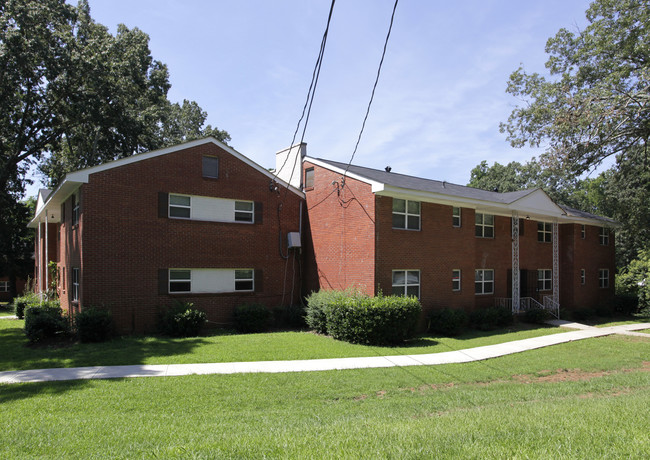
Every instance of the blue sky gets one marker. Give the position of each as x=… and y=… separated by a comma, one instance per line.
x=439, y=101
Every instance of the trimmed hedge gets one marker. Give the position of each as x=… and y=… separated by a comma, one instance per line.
x=318, y=304
x=486, y=319
x=252, y=318
x=20, y=303
x=448, y=321
x=45, y=321
x=182, y=320
x=536, y=316
x=373, y=320
x=94, y=324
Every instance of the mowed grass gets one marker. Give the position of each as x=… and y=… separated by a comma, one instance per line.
x=6, y=309
x=15, y=354
x=585, y=399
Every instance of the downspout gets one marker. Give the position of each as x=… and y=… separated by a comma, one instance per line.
x=47, y=258
x=40, y=262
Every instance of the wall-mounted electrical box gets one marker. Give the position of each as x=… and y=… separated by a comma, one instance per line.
x=294, y=240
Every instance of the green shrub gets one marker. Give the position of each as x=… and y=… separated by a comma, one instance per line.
x=93, y=324
x=45, y=321
x=373, y=320
x=318, y=304
x=448, y=321
x=20, y=303
x=625, y=304
x=583, y=314
x=536, y=316
x=251, y=318
x=486, y=319
x=182, y=320
x=291, y=316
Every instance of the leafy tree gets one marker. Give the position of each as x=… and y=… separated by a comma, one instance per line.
x=16, y=241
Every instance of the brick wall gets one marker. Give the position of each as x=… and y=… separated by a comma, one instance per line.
x=125, y=243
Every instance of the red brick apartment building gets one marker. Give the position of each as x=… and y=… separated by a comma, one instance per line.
x=200, y=222
x=197, y=222
x=452, y=246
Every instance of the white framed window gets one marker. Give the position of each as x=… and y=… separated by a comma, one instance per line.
x=544, y=280
x=211, y=167
x=4, y=286
x=603, y=236
x=455, y=279
x=406, y=214
x=180, y=280
x=180, y=206
x=406, y=283
x=244, y=211
x=75, y=209
x=484, y=225
x=582, y=276
x=75, y=284
x=544, y=232
x=603, y=278
x=244, y=280
x=484, y=281
x=583, y=231
x=455, y=216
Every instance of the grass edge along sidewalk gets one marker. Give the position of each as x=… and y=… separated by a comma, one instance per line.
x=451, y=357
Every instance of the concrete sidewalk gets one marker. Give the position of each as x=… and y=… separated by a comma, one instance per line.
x=450, y=357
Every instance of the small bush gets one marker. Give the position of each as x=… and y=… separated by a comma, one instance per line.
x=20, y=303
x=45, y=321
x=536, y=316
x=291, y=316
x=625, y=304
x=94, y=324
x=252, y=318
x=318, y=304
x=583, y=314
x=374, y=320
x=447, y=321
x=182, y=320
x=486, y=319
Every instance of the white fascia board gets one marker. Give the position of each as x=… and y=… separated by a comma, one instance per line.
x=83, y=174
x=376, y=186
x=53, y=203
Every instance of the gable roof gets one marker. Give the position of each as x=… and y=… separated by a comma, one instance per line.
x=72, y=181
x=533, y=203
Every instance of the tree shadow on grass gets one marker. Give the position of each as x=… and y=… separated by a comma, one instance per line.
x=17, y=392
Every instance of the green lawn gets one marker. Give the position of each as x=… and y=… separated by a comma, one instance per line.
x=6, y=309
x=585, y=399
x=16, y=355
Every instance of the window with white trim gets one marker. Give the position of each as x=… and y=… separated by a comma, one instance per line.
x=583, y=231
x=455, y=279
x=180, y=206
x=603, y=236
x=244, y=211
x=406, y=214
x=75, y=284
x=211, y=167
x=4, y=286
x=75, y=209
x=484, y=225
x=180, y=280
x=582, y=276
x=406, y=283
x=455, y=216
x=603, y=278
x=484, y=281
x=244, y=280
x=544, y=280
x=544, y=232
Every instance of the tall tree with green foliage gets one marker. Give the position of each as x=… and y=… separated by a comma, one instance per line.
x=595, y=104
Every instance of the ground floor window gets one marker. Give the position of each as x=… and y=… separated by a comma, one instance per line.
x=210, y=280
x=603, y=278
x=4, y=286
x=484, y=282
x=75, y=284
x=582, y=276
x=180, y=280
x=455, y=280
x=244, y=280
x=406, y=283
x=544, y=280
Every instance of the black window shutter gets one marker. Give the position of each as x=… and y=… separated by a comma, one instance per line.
x=259, y=280
x=259, y=212
x=163, y=204
x=163, y=282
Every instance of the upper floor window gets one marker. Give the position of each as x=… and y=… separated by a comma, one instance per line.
x=582, y=276
x=406, y=214
x=484, y=282
x=4, y=286
x=603, y=236
x=455, y=216
x=244, y=211
x=583, y=231
x=211, y=167
x=544, y=232
x=455, y=280
x=484, y=225
x=309, y=178
x=75, y=209
x=603, y=278
x=544, y=280
x=180, y=206
x=406, y=283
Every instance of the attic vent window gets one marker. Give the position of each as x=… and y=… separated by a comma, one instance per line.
x=211, y=167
